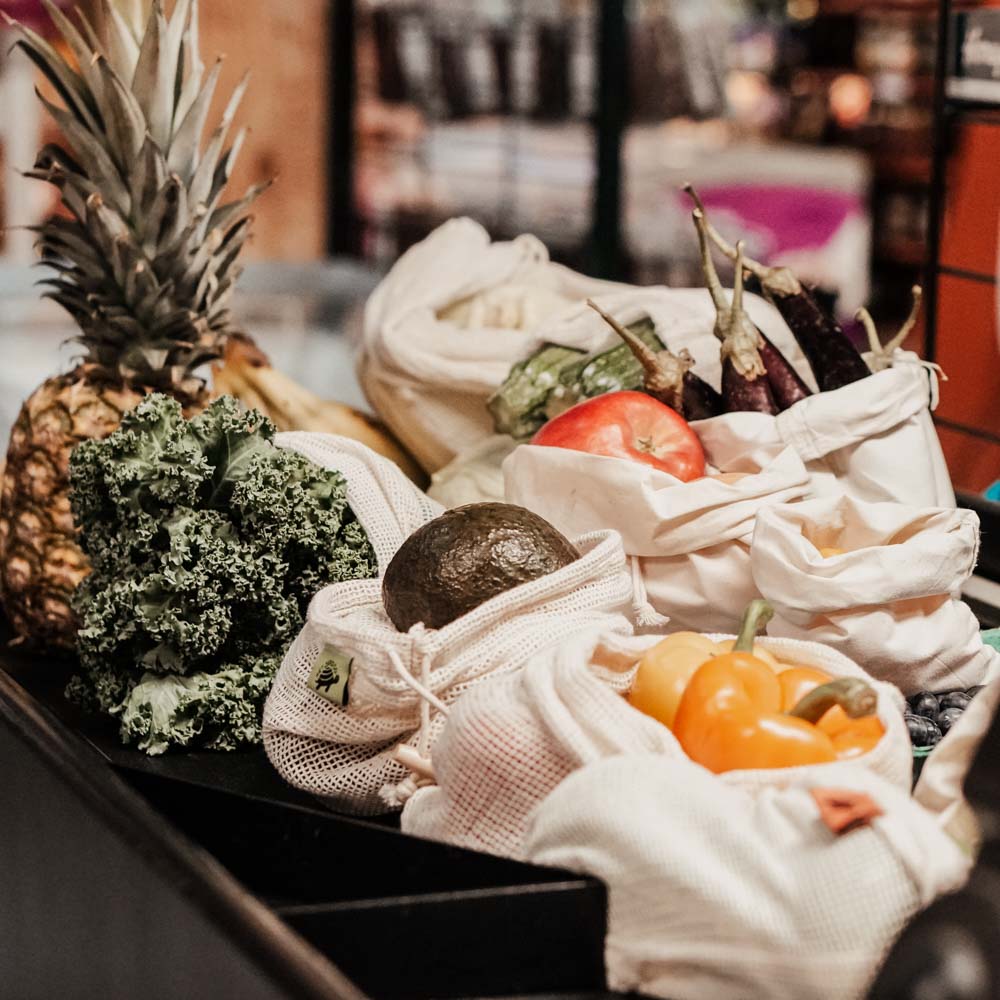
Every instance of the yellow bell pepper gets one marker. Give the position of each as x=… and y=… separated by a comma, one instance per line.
x=664, y=671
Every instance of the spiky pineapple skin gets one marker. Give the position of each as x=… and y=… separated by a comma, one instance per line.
x=40, y=561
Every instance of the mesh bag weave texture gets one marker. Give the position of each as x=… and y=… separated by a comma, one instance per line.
x=509, y=743
x=402, y=683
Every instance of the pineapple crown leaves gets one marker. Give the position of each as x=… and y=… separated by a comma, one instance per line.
x=147, y=262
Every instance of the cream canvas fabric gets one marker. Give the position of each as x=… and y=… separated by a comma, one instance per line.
x=457, y=311
x=512, y=740
x=942, y=779
x=714, y=892
x=873, y=439
x=891, y=602
x=445, y=326
x=689, y=542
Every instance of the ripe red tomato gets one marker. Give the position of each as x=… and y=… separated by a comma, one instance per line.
x=628, y=425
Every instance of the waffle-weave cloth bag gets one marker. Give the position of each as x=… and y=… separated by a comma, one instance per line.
x=512, y=740
x=715, y=892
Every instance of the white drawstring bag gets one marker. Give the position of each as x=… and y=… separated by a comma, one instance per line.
x=456, y=312
x=717, y=893
x=689, y=542
x=512, y=740
x=446, y=325
x=891, y=602
x=352, y=688
x=873, y=439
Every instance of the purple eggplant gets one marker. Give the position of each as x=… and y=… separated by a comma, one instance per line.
x=744, y=378
x=835, y=361
x=785, y=381
x=880, y=355
x=668, y=376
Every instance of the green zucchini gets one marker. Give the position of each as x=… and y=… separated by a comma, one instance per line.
x=554, y=378
x=518, y=405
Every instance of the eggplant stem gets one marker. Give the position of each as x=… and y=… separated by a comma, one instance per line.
x=881, y=354
x=909, y=323
x=736, y=308
x=774, y=280
x=742, y=339
x=664, y=371
x=645, y=355
x=755, y=618
x=715, y=288
x=864, y=317
x=856, y=697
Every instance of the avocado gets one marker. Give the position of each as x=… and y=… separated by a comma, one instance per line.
x=461, y=559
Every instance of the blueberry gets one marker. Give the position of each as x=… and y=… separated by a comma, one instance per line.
x=947, y=718
x=954, y=699
x=926, y=704
x=923, y=732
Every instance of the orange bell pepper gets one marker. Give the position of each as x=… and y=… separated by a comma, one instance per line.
x=730, y=714
x=851, y=737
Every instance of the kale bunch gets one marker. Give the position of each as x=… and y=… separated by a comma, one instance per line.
x=206, y=543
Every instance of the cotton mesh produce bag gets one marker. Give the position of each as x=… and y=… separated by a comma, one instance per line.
x=873, y=439
x=714, y=892
x=689, y=543
x=365, y=751
x=510, y=742
x=891, y=602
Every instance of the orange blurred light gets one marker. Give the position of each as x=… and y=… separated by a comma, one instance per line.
x=850, y=99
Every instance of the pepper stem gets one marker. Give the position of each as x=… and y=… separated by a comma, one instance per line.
x=756, y=616
x=774, y=280
x=856, y=697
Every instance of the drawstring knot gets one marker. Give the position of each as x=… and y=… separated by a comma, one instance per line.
x=643, y=613
x=415, y=758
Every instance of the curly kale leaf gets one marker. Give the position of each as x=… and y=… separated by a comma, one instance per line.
x=218, y=711
x=206, y=543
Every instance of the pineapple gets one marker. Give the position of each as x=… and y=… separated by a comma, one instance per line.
x=145, y=264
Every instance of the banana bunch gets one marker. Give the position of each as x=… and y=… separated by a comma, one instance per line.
x=246, y=373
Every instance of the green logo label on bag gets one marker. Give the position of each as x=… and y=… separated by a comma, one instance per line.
x=330, y=674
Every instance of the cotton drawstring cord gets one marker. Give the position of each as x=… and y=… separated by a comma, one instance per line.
x=935, y=373
x=643, y=612
x=415, y=759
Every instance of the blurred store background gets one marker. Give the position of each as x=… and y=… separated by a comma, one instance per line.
x=808, y=126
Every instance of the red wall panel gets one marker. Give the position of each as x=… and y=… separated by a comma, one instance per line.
x=967, y=350
x=972, y=203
